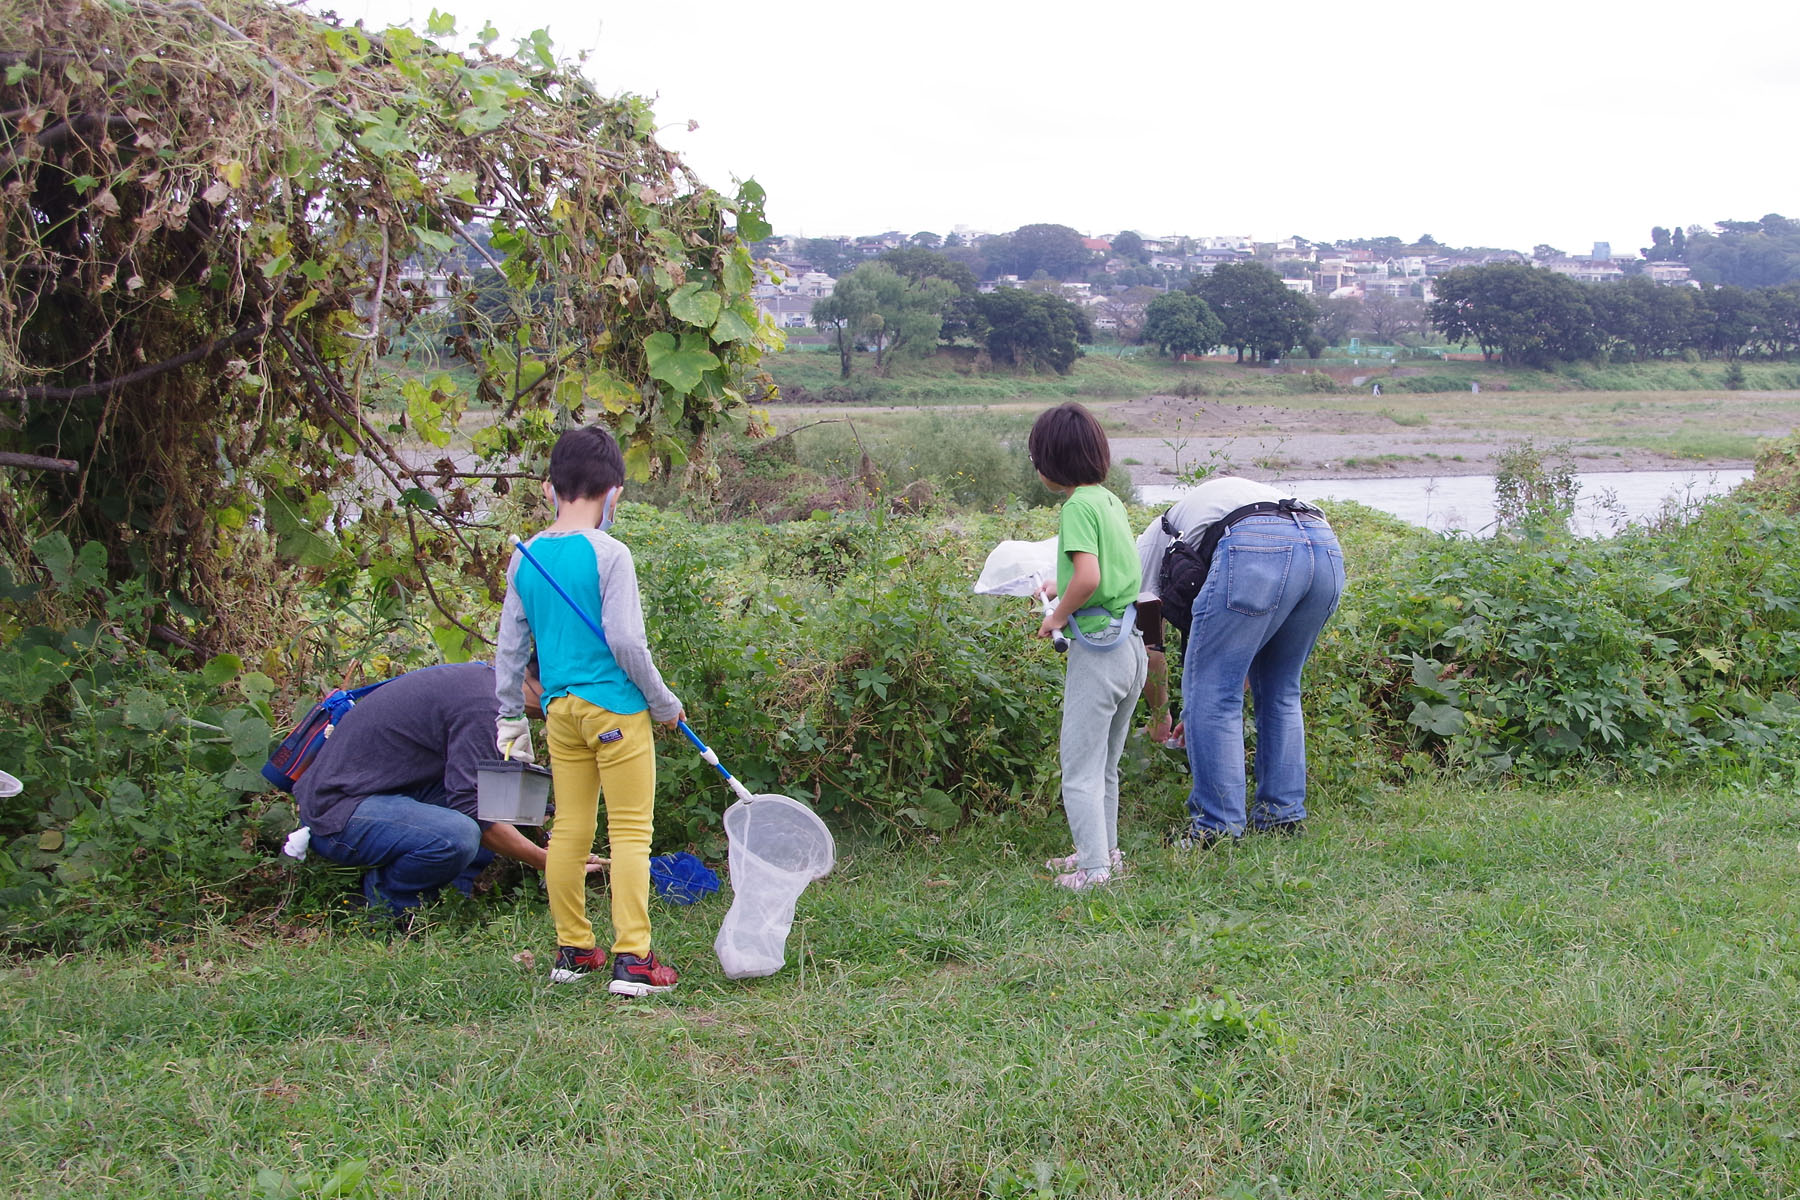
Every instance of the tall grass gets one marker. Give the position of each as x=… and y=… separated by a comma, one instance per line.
x=972, y=459
x=809, y=375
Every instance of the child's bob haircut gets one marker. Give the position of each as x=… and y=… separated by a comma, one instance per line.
x=1069, y=448
x=585, y=464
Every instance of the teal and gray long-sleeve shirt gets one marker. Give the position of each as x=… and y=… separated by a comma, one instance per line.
x=618, y=673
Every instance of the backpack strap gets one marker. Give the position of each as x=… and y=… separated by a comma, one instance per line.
x=1289, y=507
x=1186, y=563
x=355, y=694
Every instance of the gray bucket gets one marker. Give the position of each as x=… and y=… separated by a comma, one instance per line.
x=513, y=793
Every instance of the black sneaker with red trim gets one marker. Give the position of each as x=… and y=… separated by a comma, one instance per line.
x=574, y=964
x=634, y=976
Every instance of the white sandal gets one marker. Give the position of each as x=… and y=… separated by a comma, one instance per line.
x=1081, y=881
x=1116, y=863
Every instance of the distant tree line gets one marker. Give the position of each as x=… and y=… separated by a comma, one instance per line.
x=927, y=293
x=1748, y=254
x=1761, y=253
x=1529, y=317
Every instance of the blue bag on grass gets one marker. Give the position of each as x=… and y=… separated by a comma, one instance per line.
x=681, y=878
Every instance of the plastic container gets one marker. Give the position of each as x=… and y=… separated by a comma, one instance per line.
x=512, y=793
x=777, y=846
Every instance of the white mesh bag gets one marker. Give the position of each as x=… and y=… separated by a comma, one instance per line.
x=777, y=846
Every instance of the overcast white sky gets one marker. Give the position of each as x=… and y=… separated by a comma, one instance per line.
x=1565, y=122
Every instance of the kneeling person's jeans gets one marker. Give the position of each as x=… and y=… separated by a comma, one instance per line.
x=411, y=850
x=1274, y=583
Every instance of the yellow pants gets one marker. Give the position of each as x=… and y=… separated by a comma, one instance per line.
x=596, y=753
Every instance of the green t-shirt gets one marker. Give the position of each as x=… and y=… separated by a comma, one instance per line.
x=1094, y=520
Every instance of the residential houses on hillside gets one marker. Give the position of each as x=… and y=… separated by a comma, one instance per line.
x=787, y=298
x=1307, y=268
x=1586, y=270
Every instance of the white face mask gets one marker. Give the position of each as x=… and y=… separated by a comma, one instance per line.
x=607, y=512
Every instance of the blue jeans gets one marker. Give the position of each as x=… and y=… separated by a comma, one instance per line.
x=411, y=849
x=1275, y=581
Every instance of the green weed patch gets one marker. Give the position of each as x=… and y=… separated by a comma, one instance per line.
x=845, y=660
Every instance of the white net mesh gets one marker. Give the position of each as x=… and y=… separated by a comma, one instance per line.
x=777, y=846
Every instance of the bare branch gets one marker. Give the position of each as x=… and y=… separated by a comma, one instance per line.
x=380, y=287
x=62, y=131
x=106, y=386
x=437, y=601
x=343, y=411
x=476, y=246
x=37, y=462
x=175, y=639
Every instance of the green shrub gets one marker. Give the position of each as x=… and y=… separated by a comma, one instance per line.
x=1309, y=382
x=882, y=689
x=1427, y=383
x=1534, y=488
x=137, y=809
x=845, y=660
x=1670, y=648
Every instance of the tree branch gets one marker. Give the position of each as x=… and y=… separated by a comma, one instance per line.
x=478, y=248
x=62, y=131
x=431, y=589
x=105, y=386
x=549, y=370
x=37, y=462
x=359, y=428
x=175, y=639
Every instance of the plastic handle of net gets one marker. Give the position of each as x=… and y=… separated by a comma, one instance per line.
x=1059, y=639
x=519, y=545
x=712, y=756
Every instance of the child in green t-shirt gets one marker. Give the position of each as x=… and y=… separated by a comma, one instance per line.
x=1097, y=579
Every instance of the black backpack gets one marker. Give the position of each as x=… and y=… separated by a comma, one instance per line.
x=1186, y=562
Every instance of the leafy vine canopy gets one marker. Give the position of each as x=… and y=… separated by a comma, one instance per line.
x=258, y=266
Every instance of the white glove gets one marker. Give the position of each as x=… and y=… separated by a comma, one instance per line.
x=512, y=737
x=296, y=844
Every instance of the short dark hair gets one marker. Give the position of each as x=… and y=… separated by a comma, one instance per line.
x=585, y=464
x=1069, y=448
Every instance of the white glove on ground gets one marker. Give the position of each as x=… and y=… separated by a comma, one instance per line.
x=512, y=737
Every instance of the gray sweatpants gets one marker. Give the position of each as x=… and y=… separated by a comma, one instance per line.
x=1100, y=694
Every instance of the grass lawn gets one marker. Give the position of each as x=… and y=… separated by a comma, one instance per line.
x=1467, y=994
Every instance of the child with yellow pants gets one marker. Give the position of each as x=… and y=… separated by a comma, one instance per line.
x=600, y=696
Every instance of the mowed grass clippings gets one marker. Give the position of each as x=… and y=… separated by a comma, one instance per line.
x=1475, y=994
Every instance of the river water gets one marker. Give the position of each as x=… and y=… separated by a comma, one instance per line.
x=1606, y=503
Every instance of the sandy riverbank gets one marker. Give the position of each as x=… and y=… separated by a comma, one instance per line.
x=1161, y=437
x=1359, y=436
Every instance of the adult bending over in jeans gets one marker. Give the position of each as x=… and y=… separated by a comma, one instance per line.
x=1277, y=574
x=393, y=788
